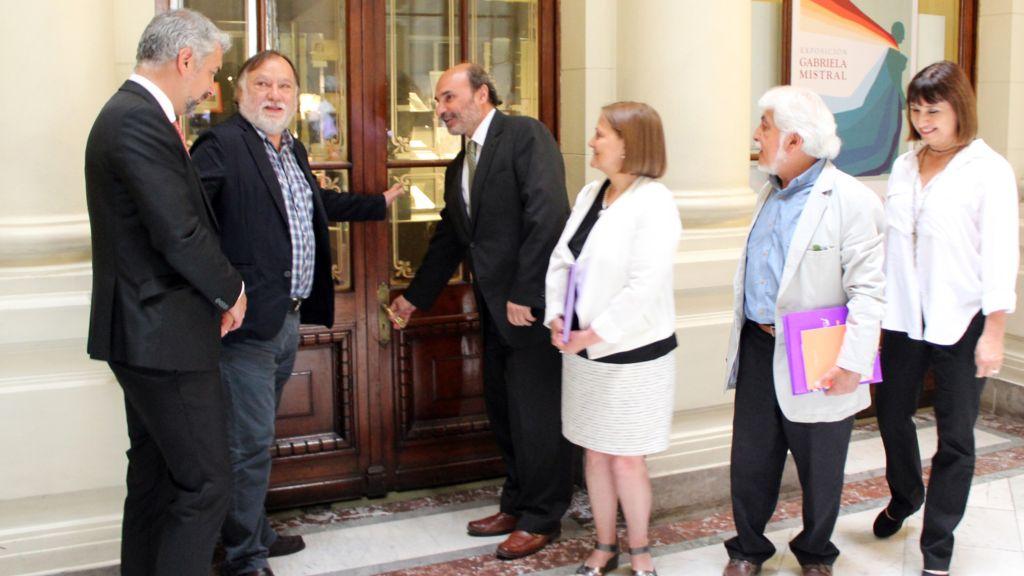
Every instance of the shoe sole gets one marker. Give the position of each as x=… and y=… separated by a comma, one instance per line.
x=478, y=534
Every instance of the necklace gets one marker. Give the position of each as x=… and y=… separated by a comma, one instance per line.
x=932, y=150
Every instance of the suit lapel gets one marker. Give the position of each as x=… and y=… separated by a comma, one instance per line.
x=483, y=166
x=817, y=202
x=259, y=154
x=453, y=194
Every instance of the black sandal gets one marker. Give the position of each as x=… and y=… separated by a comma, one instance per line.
x=610, y=565
x=637, y=552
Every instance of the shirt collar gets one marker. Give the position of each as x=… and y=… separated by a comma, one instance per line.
x=804, y=180
x=286, y=137
x=161, y=97
x=481, y=131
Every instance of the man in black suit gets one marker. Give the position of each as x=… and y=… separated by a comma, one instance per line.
x=273, y=219
x=163, y=296
x=505, y=207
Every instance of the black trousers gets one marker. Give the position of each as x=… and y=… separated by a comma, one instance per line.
x=179, y=471
x=523, y=394
x=957, y=400
x=761, y=436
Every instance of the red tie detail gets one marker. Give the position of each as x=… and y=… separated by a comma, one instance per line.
x=177, y=126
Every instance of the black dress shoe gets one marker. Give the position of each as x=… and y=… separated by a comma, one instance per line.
x=260, y=572
x=285, y=545
x=885, y=525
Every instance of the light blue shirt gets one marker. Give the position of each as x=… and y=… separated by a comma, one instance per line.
x=768, y=243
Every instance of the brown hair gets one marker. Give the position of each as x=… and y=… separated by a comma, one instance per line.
x=257, y=60
x=945, y=82
x=640, y=128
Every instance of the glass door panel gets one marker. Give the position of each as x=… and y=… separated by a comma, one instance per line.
x=422, y=42
x=312, y=34
x=229, y=16
x=503, y=39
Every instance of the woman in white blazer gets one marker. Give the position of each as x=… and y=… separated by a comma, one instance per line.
x=618, y=366
x=952, y=254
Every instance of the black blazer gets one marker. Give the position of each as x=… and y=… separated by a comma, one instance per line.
x=519, y=208
x=160, y=281
x=247, y=198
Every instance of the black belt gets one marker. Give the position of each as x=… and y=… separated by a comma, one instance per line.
x=296, y=304
x=768, y=329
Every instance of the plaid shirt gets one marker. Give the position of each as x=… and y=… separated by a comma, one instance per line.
x=298, y=201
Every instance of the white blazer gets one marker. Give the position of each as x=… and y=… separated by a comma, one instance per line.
x=846, y=218
x=625, y=276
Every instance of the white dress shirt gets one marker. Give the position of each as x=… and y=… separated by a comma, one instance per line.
x=967, y=248
x=478, y=136
x=161, y=98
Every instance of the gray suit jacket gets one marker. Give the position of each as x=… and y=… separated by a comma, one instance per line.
x=846, y=218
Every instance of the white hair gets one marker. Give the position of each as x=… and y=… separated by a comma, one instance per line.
x=802, y=111
x=169, y=32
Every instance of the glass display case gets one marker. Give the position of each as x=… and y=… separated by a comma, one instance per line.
x=424, y=38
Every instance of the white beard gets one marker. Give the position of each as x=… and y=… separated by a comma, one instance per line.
x=265, y=124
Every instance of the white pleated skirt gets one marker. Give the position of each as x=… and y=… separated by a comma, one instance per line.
x=620, y=409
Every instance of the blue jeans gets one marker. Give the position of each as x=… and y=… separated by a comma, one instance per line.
x=254, y=373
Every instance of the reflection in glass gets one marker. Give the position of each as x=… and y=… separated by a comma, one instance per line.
x=229, y=16
x=414, y=217
x=503, y=39
x=938, y=31
x=341, y=247
x=312, y=34
x=422, y=42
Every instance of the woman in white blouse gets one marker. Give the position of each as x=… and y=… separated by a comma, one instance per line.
x=618, y=365
x=951, y=268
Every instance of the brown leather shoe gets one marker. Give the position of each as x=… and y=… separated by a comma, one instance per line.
x=816, y=570
x=494, y=525
x=737, y=567
x=522, y=543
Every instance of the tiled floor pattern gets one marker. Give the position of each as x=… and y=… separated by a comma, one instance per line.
x=425, y=536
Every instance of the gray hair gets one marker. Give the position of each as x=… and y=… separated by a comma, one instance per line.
x=801, y=111
x=167, y=33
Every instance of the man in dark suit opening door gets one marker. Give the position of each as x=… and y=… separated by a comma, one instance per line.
x=505, y=206
x=163, y=295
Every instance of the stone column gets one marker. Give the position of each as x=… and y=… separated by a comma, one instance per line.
x=59, y=410
x=1001, y=124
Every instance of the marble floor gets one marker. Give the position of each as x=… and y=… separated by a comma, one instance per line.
x=424, y=535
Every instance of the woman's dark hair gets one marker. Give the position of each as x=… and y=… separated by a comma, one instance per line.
x=945, y=82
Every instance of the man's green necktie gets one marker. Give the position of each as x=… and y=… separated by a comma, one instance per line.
x=471, y=147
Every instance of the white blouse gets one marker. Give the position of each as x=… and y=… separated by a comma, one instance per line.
x=967, y=248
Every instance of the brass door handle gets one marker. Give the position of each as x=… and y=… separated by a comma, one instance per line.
x=385, y=316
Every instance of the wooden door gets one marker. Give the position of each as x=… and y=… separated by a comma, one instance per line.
x=369, y=409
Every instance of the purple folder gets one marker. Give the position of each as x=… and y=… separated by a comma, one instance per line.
x=793, y=326
x=569, y=310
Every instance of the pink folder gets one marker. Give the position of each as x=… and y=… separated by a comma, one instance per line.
x=569, y=310
x=824, y=329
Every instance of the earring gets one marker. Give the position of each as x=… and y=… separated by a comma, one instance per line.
x=623, y=156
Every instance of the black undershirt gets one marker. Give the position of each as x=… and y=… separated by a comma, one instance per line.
x=644, y=353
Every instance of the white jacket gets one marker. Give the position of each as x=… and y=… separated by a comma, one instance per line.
x=845, y=217
x=625, y=277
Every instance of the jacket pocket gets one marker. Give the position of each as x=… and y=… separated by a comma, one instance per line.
x=160, y=284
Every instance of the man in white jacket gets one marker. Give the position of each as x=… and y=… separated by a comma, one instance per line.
x=815, y=242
